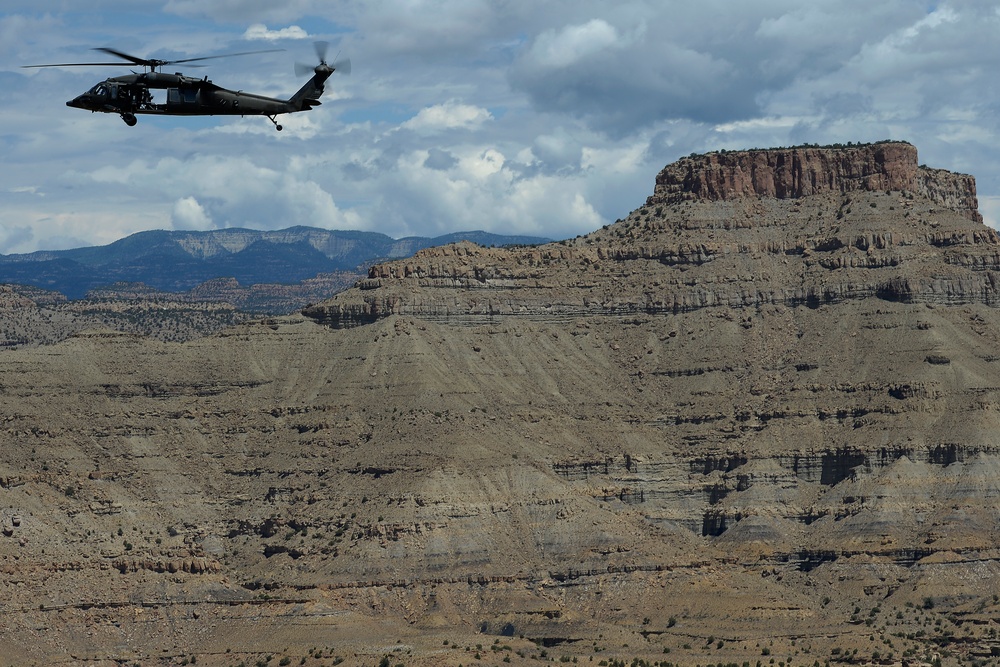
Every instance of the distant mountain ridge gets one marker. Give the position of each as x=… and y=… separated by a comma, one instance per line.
x=178, y=261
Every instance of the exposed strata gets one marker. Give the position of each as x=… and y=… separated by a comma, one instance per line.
x=791, y=173
x=727, y=429
x=820, y=225
x=789, y=309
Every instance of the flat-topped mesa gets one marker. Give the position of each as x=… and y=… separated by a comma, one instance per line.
x=790, y=173
x=782, y=227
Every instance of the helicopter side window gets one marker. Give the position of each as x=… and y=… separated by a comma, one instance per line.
x=100, y=90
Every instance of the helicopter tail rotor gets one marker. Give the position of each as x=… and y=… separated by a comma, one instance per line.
x=321, y=49
x=342, y=66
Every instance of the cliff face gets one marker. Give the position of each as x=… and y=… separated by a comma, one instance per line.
x=823, y=225
x=665, y=437
x=781, y=312
x=788, y=173
x=953, y=191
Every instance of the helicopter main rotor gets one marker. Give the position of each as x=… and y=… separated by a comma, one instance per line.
x=152, y=64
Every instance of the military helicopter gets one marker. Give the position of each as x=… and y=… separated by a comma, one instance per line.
x=131, y=94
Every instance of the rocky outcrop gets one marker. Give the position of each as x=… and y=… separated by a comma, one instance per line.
x=718, y=429
x=782, y=311
x=168, y=566
x=788, y=173
x=953, y=191
x=784, y=227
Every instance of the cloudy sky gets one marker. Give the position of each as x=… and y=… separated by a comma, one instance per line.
x=513, y=116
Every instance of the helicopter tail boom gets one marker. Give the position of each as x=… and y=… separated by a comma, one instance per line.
x=308, y=95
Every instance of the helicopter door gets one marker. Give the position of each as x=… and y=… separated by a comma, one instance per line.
x=183, y=99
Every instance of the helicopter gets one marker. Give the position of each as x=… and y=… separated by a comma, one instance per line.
x=130, y=95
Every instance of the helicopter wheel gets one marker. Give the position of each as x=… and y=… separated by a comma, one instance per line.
x=278, y=127
x=273, y=120
x=130, y=119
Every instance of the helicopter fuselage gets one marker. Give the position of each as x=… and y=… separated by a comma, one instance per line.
x=130, y=95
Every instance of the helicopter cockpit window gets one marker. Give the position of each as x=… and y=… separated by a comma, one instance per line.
x=100, y=90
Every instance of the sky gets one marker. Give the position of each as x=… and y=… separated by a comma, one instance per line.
x=510, y=116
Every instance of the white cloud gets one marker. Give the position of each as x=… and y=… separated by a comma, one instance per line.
x=232, y=192
x=483, y=190
x=260, y=31
x=557, y=150
x=482, y=165
x=569, y=45
x=26, y=189
x=990, y=208
x=450, y=115
x=547, y=118
x=189, y=214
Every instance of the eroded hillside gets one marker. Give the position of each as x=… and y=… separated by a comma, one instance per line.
x=746, y=422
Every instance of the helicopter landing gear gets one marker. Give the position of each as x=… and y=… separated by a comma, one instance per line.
x=130, y=119
x=277, y=126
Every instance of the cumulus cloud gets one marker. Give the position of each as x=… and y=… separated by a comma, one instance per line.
x=484, y=189
x=211, y=191
x=550, y=118
x=571, y=44
x=16, y=236
x=439, y=160
x=557, y=150
x=189, y=214
x=619, y=89
x=428, y=28
x=259, y=31
x=13, y=28
x=450, y=115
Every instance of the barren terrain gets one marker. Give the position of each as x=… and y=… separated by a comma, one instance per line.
x=744, y=424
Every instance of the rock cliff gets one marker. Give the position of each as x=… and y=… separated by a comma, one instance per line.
x=803, y=320
x=721, y=429
x=733, y=230
x=790, y=173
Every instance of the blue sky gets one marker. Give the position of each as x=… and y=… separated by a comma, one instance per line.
x=515, y=117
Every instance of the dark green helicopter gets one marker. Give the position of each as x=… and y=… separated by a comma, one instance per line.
x=130, y=95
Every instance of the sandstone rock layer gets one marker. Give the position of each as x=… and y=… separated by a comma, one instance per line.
x=755, y=418
x=790, y=173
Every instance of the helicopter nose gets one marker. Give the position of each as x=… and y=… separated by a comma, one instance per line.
x=79, y=102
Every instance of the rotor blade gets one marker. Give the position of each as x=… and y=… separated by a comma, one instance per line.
x=155, y=62
x=81, y=65
x=342, y=66
x=225, y=55
x=321, y=49
x=147, y=62
x=301, y=69
x=125, y=56
x=132, y=60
